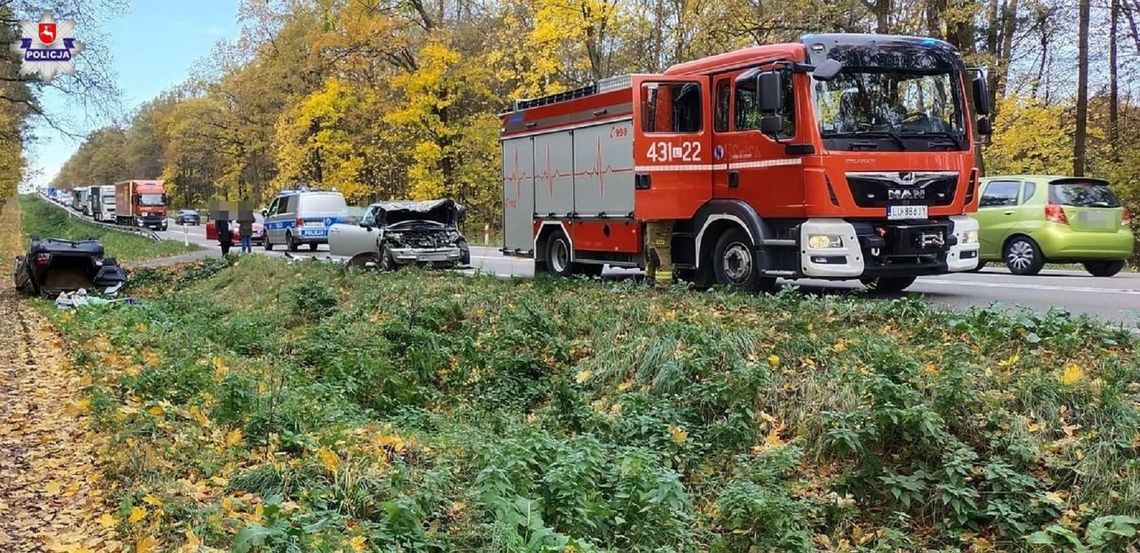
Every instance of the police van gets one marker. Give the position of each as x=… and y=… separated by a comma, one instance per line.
x=303, y=216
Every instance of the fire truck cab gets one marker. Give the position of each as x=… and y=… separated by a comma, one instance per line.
x=841, y=156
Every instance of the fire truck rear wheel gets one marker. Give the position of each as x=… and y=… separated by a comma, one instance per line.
x=735, y=263
x=558, y=256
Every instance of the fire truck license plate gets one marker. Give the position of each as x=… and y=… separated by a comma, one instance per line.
x=896, y=212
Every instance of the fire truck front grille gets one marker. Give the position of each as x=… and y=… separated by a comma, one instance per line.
x=879, y=189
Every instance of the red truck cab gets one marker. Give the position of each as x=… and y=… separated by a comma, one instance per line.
x=838, y=157
x=141, y=203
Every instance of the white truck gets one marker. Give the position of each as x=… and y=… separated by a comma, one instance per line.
x=101, y=203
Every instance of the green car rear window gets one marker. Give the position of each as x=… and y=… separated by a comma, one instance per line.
x=1082, y=195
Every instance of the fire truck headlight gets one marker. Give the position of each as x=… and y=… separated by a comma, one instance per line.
x=970, y=237
x=824, y=241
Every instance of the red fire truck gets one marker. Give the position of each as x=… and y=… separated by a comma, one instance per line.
x=841, y=156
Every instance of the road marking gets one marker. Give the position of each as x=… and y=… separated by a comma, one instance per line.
x=1041, y=287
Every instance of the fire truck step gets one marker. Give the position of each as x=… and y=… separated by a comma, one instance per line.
x=773, y=273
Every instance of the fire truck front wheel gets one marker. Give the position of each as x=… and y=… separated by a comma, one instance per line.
x=735, y=263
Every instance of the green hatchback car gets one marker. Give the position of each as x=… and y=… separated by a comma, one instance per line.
x=1028, y=220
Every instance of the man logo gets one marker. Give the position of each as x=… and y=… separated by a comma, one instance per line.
x=906, y=177
x=906, y=194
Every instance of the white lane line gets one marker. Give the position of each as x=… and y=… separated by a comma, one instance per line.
x=1041, y=287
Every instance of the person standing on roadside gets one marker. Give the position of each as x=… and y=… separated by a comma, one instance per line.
x=245, y=230
x=225, y=234
x=659, y=269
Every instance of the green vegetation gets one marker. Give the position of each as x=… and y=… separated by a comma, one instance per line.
x=296, y=407
x=48, y=221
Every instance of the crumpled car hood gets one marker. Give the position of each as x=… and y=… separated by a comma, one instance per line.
x=444, y=211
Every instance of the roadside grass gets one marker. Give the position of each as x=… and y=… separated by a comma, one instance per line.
x=253, y=403
x=48, y=221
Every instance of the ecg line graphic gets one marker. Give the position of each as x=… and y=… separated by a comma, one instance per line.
x=598, y=169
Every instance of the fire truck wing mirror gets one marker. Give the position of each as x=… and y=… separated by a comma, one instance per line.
x=985, y=126
x=981, y=96
x=771, y=124
x=768, y=85
x=827, y=70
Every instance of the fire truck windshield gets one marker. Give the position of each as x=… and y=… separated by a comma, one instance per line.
x=882, y=108
x=150, y=199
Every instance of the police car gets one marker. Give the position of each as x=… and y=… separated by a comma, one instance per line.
x=303, y=216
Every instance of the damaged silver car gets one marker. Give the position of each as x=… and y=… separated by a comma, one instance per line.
x=392, y=234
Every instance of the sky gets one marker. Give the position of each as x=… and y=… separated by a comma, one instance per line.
x=154, y=44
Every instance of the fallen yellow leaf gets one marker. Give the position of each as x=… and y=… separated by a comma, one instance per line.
x=52, y=488
x=146, y=545
x=678, y=434
x=1070, y=375
x=328, y=459
x=774, y=360
x=137, y=514
x=357, y=544
x=152, y=500
x=583, y=376
x=156, y=411
x=233, y=437
x=107, y=521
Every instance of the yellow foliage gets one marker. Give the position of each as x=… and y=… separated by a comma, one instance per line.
x=328, y=458
x=679, y=435
x=1071, y=374
x=1029, y=138
x=137, y=514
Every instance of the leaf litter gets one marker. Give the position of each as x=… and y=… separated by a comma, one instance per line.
x=51, y=493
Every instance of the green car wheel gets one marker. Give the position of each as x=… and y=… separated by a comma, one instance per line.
x=1023, y=257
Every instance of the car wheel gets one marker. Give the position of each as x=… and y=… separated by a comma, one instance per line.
x=1023, y=257
x=887, y=284
x=361, y=261
x=313, y=247
x=290, y=244
x=387, y=261
x=735, y=266
x=267, y=244
x=1104, y=268
x=558, y=256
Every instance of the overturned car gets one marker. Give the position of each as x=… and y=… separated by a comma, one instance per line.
x=52, y=266
x=392, y=234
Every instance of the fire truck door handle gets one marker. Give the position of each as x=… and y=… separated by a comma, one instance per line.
x=641, y=182
x=1009, y=212
x=733, y=179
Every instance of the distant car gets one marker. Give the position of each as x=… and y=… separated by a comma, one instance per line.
x=1028, y=220
x=187, y=217
x=302, y=216
x=400, y=233
x=258, y=236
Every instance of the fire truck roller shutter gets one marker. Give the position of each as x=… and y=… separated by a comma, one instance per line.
x=553, y=174
x=603, y=169
x=518, y=194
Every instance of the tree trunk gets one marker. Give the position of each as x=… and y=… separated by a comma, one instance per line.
x=1081, y=136
x=1113, y=83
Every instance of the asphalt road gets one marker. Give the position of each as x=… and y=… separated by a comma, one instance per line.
x=1112, y=299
